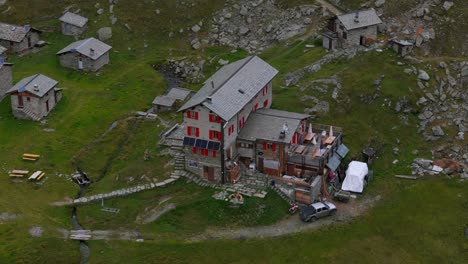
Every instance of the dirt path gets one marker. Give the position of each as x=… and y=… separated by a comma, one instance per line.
x=290, y=225
x=330, y=7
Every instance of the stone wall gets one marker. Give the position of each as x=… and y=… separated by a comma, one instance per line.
x=6, y=80
x=71, y=30
x=35, y=104
x=71, y=59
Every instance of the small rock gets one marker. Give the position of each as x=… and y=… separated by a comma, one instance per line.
x=437, y=131
x=379, y=3
x=423, y=75
x=447, y=5
x=100, y=11
x=223, y=62
x=104, y=33
x=196, y=28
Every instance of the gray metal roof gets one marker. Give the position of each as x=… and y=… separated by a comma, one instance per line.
x=13, y=32
x=179, y=93
x=366, y=18
x=164, y=101
x=266, y=124
x=84, y=47
x=44, y=85
x=233, y=86
x=74, y=19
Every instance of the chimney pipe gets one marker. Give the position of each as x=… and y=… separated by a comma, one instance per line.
x=36, y=87
x=91, y=52
x=356, y=17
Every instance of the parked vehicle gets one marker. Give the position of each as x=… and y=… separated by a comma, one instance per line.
x=316, y=211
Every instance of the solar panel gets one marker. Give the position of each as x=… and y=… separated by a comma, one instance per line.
x=198, y=144
x=186, y=141
x=192, y=142
x=216, y=145
x=334, y=162
x=204, y=144
x=342, y=150
x=210, y=145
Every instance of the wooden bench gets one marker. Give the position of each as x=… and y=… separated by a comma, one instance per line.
x=27, y=155
x=40, y=176
x=19, y=172
x=32, y=159
x=16, y=175
x=35, y=175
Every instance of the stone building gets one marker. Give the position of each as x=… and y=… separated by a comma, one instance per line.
x=169, y=101
x=34, y=97
x=87, y=55
x=402, y=47
x=73, y=24
x=3, y=52
x=17, y=39
x=352, y=29
x=6, y=78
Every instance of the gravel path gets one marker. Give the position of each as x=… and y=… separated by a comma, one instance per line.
x=290, y=225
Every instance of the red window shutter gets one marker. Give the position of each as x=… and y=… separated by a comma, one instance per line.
x=196, y=115
x=219, y=136
x=218, y=119
x=188, y=114
x=264, y=145
x=211, y=118
x=189, y=131
x=265, y=104
x=211, y=134
x=214, y=153
x=194, y=150
x=197, y=132
x=273, y=147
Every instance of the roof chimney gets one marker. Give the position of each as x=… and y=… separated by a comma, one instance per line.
x=356, y=17
x=209, y=99
x=91, y=52
x=36, y=87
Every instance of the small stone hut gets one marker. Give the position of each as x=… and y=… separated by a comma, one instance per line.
x=87, y=55
x=73, y=24
x=17, y=39
x=402, y=47
x=34, y=97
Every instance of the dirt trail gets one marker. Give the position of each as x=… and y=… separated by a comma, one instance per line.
x=330, y=7
x=290, y=225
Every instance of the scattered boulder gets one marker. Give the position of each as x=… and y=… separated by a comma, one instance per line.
x=196, y=28
x=437, y=131
x=196, y=44
x=424, y=163
x=104, y=33
x=36, y=231
x=2, y=2
x=423, y=75
x=100, y=11
x=379, y=3
x=447, y=5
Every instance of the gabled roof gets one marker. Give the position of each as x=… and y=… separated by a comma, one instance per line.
x=365, y=18
x=179, y=93
x=74, y=19
x=84, y=47
x=164, y=100
x=266, y=124
x=233, y=86
x=44, y=85
x=13, y=32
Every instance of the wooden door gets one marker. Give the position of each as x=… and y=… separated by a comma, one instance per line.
x=29, y=42
x=20, y=101
x=363, y=40
x=260, y=164
x=330, y=44
x=208, y=173
x=47, y=105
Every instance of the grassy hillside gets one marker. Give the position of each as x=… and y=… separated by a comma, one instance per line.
x=417, y=222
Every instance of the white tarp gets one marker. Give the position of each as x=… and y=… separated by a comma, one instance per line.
x=355, y=174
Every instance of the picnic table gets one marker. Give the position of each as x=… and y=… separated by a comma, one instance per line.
x=37, y=175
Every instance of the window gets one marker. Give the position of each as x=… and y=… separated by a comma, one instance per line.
x=265, y=104
x=345, y=35
x=214, y=118
x=215, y=135
x=193, y=131
x=213, y=153
x=193, y=164
x=245, y=145
x=230, y=130
x=192, y=115
x=242, y=122
x=255, y=107
x=265, y=90
x=28, y=99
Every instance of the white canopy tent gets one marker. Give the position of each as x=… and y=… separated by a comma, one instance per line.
x=355, y=175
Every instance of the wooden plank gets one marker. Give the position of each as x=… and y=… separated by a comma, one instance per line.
x=406, y=177
x=31, y=155
x=19, y=172
x=16, y=175
x=40, y=176
x=24, y=158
